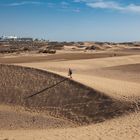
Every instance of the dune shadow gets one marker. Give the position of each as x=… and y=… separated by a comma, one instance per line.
x=69, y=100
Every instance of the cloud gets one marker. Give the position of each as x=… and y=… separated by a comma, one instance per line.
x=76, y=10
x=87, y=1
x=133, y=8
x=105, y=5
x=51, y=5
x=111, y=5
x=64, y=4
x=23, y=3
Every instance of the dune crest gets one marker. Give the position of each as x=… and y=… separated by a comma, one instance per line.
x=69, y=100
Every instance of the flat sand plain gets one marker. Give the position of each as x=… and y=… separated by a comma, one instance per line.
x=118, y=77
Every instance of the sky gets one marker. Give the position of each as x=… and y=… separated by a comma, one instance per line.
x=71, y=20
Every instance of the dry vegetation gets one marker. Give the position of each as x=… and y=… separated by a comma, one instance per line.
x=42, y=46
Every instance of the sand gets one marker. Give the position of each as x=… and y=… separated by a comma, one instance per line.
x=19, y=118
x=90, y=72
x=117, y=77
x=126, y=127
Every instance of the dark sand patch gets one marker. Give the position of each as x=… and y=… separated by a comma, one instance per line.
x=69, y=100
x=58, y=57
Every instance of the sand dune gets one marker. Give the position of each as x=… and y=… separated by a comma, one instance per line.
x=19, y=118
x=68, y=99
x=126, y=127
x=90, y=72
x=104, y=75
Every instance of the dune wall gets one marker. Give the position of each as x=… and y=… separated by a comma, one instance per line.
x=69, y=99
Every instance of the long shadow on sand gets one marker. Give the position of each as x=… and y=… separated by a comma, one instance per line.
x=69, y=100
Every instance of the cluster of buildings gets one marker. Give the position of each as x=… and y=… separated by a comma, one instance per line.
x=14, y=38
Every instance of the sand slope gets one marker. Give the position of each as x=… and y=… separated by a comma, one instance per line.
x=126, y=127
x=99, y=74
x=90, y=72
x=17, y=118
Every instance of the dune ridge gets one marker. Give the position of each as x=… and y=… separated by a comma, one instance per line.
x=69, y=101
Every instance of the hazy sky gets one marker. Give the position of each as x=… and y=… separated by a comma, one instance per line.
x=71, y=20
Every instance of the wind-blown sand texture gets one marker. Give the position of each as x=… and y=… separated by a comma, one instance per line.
x=115, y=77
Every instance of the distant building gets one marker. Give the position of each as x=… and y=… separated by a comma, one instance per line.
x=7, y=38
x=25, y=39
x=14, y=38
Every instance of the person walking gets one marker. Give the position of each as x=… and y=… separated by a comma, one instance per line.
x=70, y=73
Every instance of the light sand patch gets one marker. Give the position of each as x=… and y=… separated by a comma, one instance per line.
x=84, y=71
x=126, y=127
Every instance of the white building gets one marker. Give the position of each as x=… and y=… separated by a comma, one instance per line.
x=6, y=38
